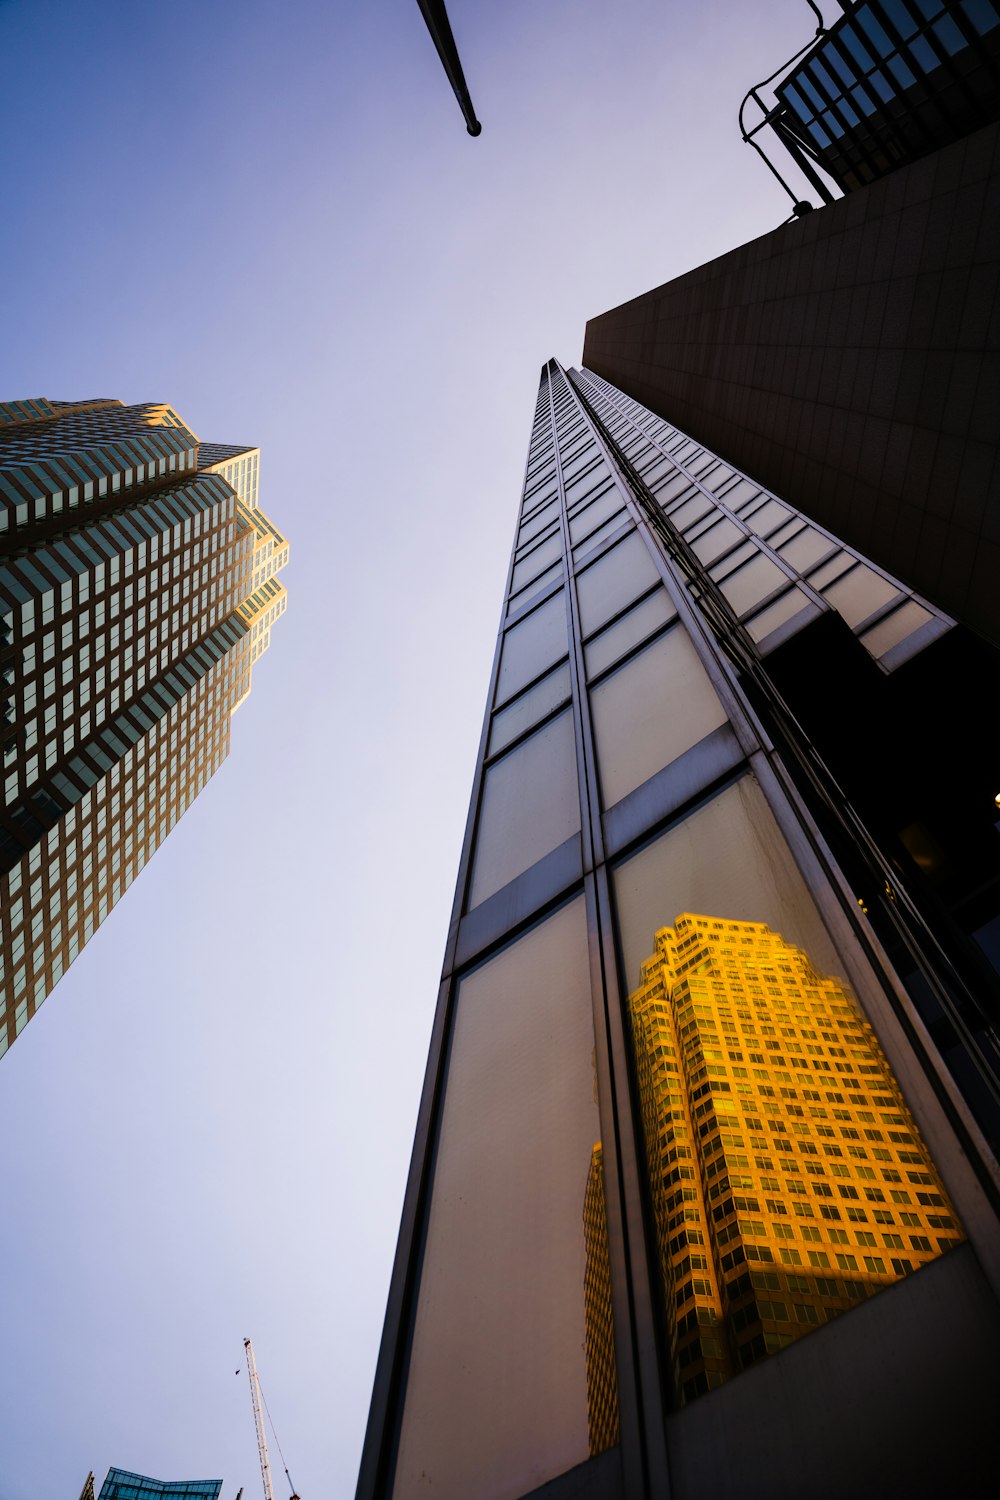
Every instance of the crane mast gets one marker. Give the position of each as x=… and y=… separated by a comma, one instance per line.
x=258, y=1419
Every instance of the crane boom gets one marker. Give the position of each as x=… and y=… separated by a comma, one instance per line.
x=258, y=1420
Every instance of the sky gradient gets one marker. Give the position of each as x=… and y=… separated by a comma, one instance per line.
x=271, y=216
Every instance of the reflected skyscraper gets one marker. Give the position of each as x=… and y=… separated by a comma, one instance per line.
x=789, y=1177
x=602, y=1379
x=137, y=588
x=686, y=715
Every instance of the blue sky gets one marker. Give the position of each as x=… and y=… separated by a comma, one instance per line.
x=272, y=217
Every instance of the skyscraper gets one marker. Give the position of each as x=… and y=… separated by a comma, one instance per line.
x=698, y=965
x=137, y=588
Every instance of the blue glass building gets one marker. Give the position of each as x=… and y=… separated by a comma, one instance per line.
x=120, y=1485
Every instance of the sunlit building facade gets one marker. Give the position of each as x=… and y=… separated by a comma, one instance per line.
x=137, y=588
x=709, y=1099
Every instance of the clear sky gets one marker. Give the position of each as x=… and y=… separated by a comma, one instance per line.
x=271, y=216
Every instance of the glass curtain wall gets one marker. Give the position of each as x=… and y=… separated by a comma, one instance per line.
x=674, y=1123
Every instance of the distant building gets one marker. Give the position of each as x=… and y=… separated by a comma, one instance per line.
x=137, y=588
x=120, y=1485
x=87, y=1493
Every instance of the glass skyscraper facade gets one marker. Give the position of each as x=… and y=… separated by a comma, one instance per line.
x=692, y=1169
x=120, y=1485
x=137, y=588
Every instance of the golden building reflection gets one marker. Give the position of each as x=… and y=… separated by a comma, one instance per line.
x=787, y=1176
x=602, y=1379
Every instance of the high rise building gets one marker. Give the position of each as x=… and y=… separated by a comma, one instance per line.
x=849, y=360
x=120, y=1485
x=702, y=1199
x=137, y=588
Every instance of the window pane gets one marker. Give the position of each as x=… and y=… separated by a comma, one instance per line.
x=587, y=546
x=612, y=582
x=538, y=522
x=804, y=1184
x=651, y=710
x=895, y=628
x=692, y=510
x=806, y=548
x=530, y=707
x=859, y=594
x=768, y=518
x=582, y=485
x=534, y=643
x=777, y=613
x=752, y=583
x=536, y=586
x=587, y=520
x=511, y=1376
x=530, y=806
x=536, y=562
x=632, y=628
x=713, y=542
x=673, y=488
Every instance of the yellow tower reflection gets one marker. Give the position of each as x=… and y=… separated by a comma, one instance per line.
x=602, y=1378
x=787, y=1176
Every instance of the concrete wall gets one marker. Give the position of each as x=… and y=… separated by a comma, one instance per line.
x=851, y=363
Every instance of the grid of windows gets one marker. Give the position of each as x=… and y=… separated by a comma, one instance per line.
x=892, y=80
x=127, y=639
x=624, y=780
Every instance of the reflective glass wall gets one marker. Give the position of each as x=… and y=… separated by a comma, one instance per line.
x=680, y=1121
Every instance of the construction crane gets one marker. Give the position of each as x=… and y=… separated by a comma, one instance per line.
x=259, y=1408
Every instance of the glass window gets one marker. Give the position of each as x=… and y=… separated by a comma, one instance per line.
x=587, y=520
x=783, y=608
x=691, y=511
x=538, y=522
x=512, y=1378
x=741, y=493
x=536, y=586
x=768, y=518
x=533, y=644
x=536, y=562
x=806, y=548
x=720, y=940
x=650, y=711
x=533, y=705
x=581, y=486
x=895, y=628
x=716, y=540
x=614, y=581
x=647, y=616
x=859, y=594
x=717, y=477
x=832, y=568
x=752, y=583
x=673, y=488
x=587, y=546
x=530, y=806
